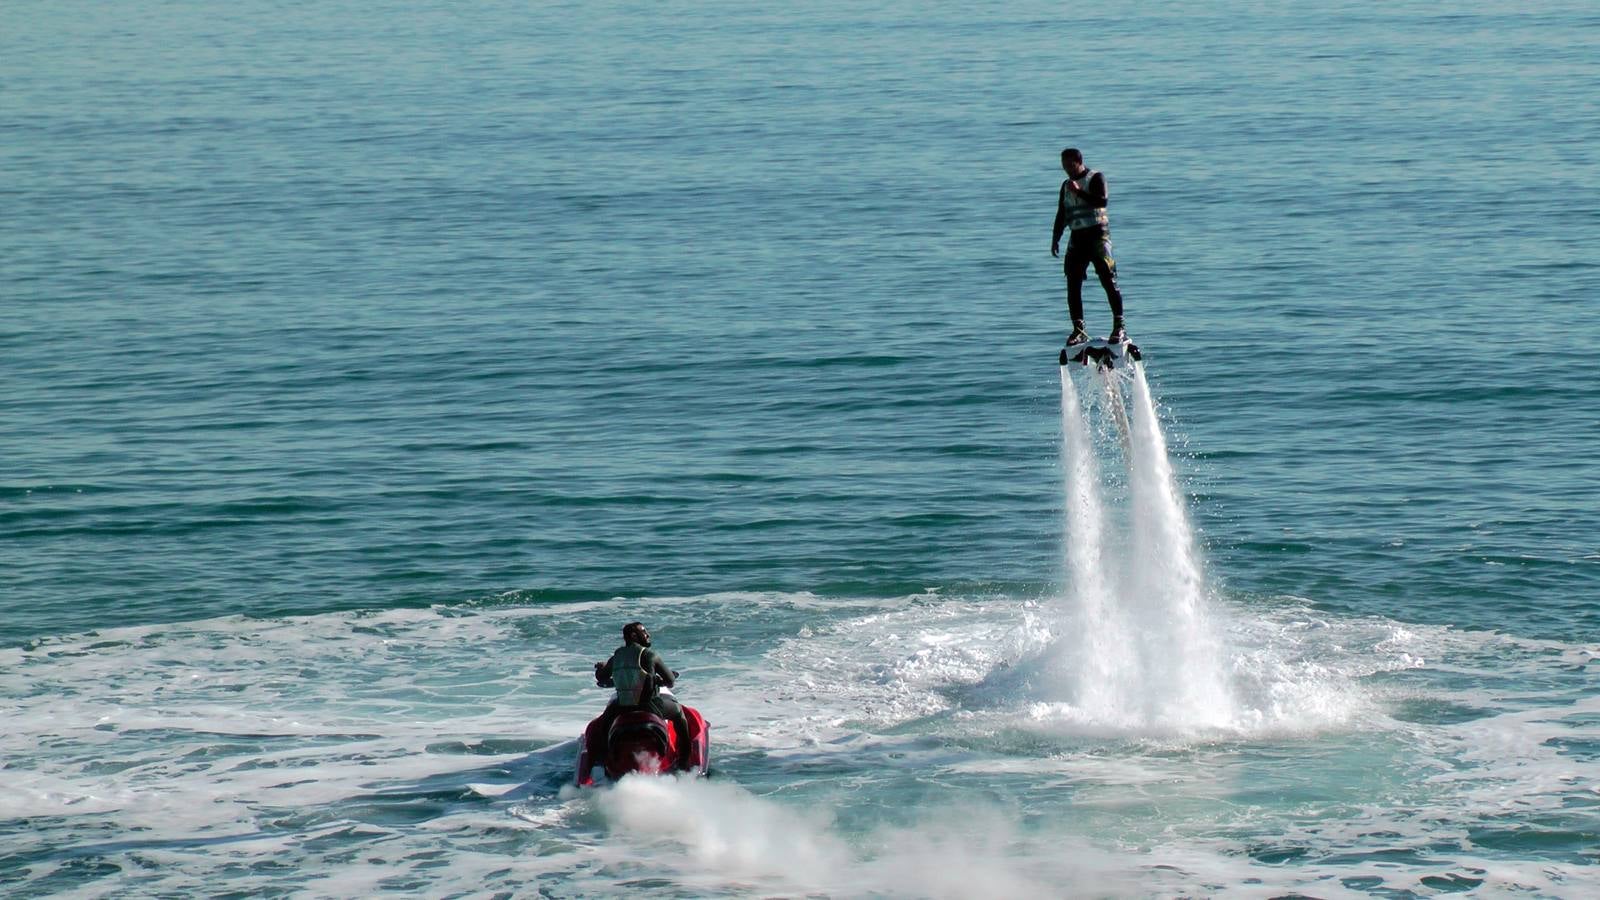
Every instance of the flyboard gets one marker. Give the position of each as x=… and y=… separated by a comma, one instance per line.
x=1111, y=359
x=1101, y=353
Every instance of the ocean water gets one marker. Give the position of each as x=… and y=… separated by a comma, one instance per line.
x=364, y=366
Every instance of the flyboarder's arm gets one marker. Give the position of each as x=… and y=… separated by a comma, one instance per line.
x=1061, y=221
x=1094, y=191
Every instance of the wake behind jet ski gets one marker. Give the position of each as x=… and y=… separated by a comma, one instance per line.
x=1102, y=353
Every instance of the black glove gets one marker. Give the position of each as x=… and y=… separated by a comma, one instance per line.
x=599, y=675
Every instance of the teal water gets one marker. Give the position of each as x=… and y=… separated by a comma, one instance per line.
x=364, y=366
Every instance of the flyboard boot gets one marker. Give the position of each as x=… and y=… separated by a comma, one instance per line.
x=1114, y=351
x=1075, y=340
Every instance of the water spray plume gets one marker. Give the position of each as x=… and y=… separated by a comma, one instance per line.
x=1093, y=626
x=1139, y=652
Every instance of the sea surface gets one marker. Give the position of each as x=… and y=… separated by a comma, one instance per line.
x=364, y=366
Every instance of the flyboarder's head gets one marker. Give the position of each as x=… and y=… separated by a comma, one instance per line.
x=1072, y=161
x=636, y=633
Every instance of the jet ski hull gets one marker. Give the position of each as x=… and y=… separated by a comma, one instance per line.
x=639, y=742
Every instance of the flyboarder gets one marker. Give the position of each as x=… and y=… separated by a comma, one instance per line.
x=1081, y=208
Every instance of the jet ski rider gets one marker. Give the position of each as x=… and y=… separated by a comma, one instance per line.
x=638, y=673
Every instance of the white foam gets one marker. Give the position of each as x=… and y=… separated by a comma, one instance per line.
x=729, y=836
x=349, y=754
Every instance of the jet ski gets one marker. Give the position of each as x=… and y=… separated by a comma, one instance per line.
x=641, y=742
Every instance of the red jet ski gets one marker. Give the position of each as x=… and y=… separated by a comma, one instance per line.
x=641, y=742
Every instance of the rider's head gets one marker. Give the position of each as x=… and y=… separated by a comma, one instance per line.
x=1071, y=159
x=636, y=633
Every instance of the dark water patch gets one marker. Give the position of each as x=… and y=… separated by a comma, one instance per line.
x=487, y=747
x=1586, y=750
x=56, y=492
x=1573, y=841
x=166, y=517
x=340, y=839
x=861, y=589
x=1453, y=882
x=738, y=477
x=1205, y=455
x=749, y=525
x=149, y=528
x=72, y=873
x=934, y=520
x=538, y=597
x=802, y=450
x=225, y=739
x=261, y=890
x=399, y=810
x=461, y=447
x=1277, y=855
x=994, y=451
x=1428, y=711
x=406, y=575
x=866, y=361
x=1389, y=856
x=1289, y=548
x=113, y=766
x=118, y=848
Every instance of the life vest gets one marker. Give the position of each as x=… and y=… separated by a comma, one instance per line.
x=635, y=684
x=1080, y=214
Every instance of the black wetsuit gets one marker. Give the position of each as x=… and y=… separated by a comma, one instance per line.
x=662, y=705
x=1085, y=247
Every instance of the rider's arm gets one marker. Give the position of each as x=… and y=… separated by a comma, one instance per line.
x=602, y=673
x=663, y=674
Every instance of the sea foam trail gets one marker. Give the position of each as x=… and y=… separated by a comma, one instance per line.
x=710, y=835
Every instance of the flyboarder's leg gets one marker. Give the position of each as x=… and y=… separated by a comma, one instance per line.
x=1107, y=270
x=1076, y=268
x=1105, y=266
